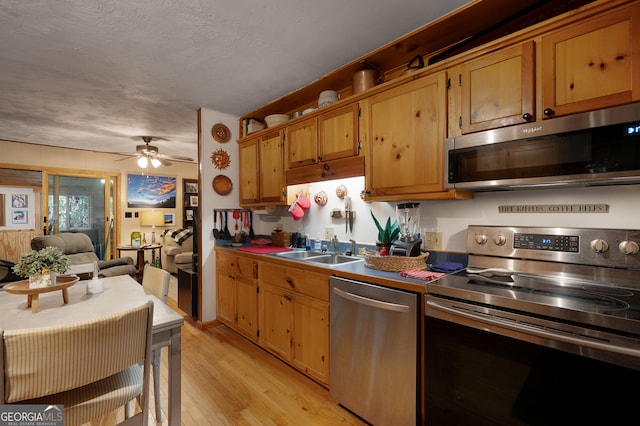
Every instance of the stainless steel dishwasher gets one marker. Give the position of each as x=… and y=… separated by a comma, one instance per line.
x=373, y=355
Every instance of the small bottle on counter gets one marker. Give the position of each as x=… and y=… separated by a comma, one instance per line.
x=307, y=242
x=317, y=246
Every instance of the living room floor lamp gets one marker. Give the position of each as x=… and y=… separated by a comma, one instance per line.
x=152, y=218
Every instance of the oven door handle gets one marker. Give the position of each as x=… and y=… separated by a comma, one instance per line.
x=388, y=306
x=530, y=330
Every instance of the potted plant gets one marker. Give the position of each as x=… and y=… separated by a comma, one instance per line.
x=388, y=234
x=41, y=266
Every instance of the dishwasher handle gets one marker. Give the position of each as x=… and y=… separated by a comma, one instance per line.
x=388, y=306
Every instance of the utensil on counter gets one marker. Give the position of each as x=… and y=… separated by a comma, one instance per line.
x=251, y=233
x=236, y=216
x=216, y=232
x=227, y=234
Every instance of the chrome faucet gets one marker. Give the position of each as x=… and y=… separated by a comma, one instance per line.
x=352, y=252
x=335, y=244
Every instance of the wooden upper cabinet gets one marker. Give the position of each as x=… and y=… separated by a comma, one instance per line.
x=338, y=133
x=406, y=129
x=498, y=89
x=590, y=65
x=302, y=143
x=262, y=170
x=271, y=168
x=249, y=172
x=329, y=136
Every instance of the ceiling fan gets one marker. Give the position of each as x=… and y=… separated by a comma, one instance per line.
x=149, y=154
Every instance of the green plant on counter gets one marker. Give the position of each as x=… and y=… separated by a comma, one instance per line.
x=45, y=261
x=389, y=233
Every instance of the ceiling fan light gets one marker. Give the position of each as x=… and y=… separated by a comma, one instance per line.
x=155, y=163
x=143, y=162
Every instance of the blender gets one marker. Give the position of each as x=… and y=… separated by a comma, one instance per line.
x=408, y=216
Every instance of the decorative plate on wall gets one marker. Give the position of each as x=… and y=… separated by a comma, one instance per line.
x=222, y=185
x=220, y=133
x=220, y=159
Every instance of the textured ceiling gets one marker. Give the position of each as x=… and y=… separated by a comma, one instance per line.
x=96, y=74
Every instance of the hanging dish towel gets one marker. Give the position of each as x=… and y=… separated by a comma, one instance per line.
x=421, y=274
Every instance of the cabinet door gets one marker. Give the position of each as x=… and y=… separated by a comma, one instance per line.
x=271, y=168
x=247, y=307
x=249, y=172
x=338, y=133
x=498, y=89
x=225, y=290
x=302, y=143
x=406, y=127
x=590, y=65
x=276, y=319
x=311, y=337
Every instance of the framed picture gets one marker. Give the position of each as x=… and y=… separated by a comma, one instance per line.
x=188, y=214
x=19, y=216
x=151, y=191
x=190, y=186
x=169, y=219
x=193, y=200
x=19, y=201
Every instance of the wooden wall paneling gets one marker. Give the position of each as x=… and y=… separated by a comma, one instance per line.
x=15, y=242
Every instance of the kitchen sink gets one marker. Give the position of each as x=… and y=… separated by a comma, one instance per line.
x=300, y=254
x=319, y=257
x=334, y=259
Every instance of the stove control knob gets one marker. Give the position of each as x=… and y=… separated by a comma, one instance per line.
x=481, y=239
x=599, y=246
x=629, y=247
x=499, y=240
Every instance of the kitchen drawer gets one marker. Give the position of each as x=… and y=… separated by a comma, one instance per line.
x=237, y=265
x=308, y=283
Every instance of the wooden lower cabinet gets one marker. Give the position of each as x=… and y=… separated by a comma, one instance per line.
x=294, y=318
x=237, y=293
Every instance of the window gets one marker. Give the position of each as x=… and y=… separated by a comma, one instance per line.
x=73, y=211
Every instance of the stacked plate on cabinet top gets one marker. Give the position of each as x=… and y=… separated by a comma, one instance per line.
x=327, y=98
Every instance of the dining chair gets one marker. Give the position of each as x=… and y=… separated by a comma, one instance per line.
x=156, y=282
x=90, y=367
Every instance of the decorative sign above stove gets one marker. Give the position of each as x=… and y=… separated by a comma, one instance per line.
x=555, y=208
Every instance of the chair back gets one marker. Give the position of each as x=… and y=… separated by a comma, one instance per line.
x=156, y=282
x=45, y=361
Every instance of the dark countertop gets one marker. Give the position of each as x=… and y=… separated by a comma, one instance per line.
x=355, y=270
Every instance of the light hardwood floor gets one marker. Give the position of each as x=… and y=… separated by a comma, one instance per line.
x=227, y=380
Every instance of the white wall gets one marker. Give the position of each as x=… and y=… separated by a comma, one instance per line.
x=452, y=217
x=210, y=200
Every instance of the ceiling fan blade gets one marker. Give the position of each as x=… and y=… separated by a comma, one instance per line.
x=177, y=158
x=127, y=156
x=163, y=161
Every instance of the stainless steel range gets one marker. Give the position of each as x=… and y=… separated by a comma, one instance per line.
x=538, y=311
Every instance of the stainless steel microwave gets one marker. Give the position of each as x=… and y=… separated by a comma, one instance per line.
x=593, y=148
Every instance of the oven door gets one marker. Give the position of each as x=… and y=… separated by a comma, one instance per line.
x=482, y=368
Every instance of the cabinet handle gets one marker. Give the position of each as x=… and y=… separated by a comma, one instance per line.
x=314, y=160
x=286, y=296
x=526, y=116
x=323, y=175
x=548, y=112
x=289, y=281
x=326, y=166
x=233, y=277
x=319, y=157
